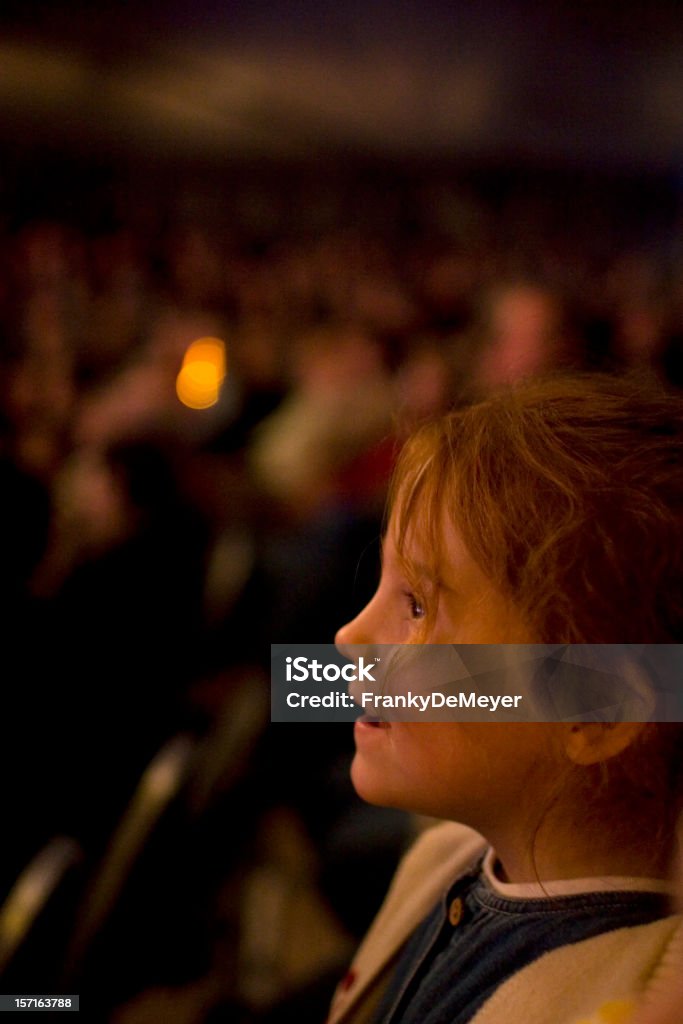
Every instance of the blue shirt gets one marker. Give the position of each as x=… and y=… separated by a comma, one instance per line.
x=476, y=938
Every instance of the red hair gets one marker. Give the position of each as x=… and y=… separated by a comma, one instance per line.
x=568, y=493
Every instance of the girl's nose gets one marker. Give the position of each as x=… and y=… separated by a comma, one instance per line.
x=358, y=630
x=347, y=634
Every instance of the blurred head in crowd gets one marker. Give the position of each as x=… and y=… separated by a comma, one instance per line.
x=523, y=334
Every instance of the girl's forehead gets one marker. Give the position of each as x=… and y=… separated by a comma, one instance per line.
x=437, y=554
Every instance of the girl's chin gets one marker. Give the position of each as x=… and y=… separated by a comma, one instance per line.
x=370, y=782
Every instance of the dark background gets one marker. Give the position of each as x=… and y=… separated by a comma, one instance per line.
x=586, y=83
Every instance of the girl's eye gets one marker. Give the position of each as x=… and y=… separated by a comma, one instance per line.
x=417, y=609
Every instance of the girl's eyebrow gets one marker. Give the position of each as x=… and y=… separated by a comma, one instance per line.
x=436, y=580
x=422, y=570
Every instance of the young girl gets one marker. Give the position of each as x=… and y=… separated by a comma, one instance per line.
x=552, y=513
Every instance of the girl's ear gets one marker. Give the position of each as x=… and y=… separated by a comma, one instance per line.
x=592, y=742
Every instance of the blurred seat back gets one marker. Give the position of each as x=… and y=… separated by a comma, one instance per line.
x=148, y=914
x=225, y=753
x=160, y=783
x=36, y=916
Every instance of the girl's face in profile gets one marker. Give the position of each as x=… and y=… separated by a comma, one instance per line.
x=478, y=773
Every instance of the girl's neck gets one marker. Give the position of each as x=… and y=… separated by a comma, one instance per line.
x=561, y=847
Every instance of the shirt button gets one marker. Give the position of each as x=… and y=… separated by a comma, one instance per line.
x=455, y=912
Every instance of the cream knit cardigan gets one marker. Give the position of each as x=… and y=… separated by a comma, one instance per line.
x=596, y=981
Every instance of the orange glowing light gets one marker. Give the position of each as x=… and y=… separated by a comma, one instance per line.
x=199, y=382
